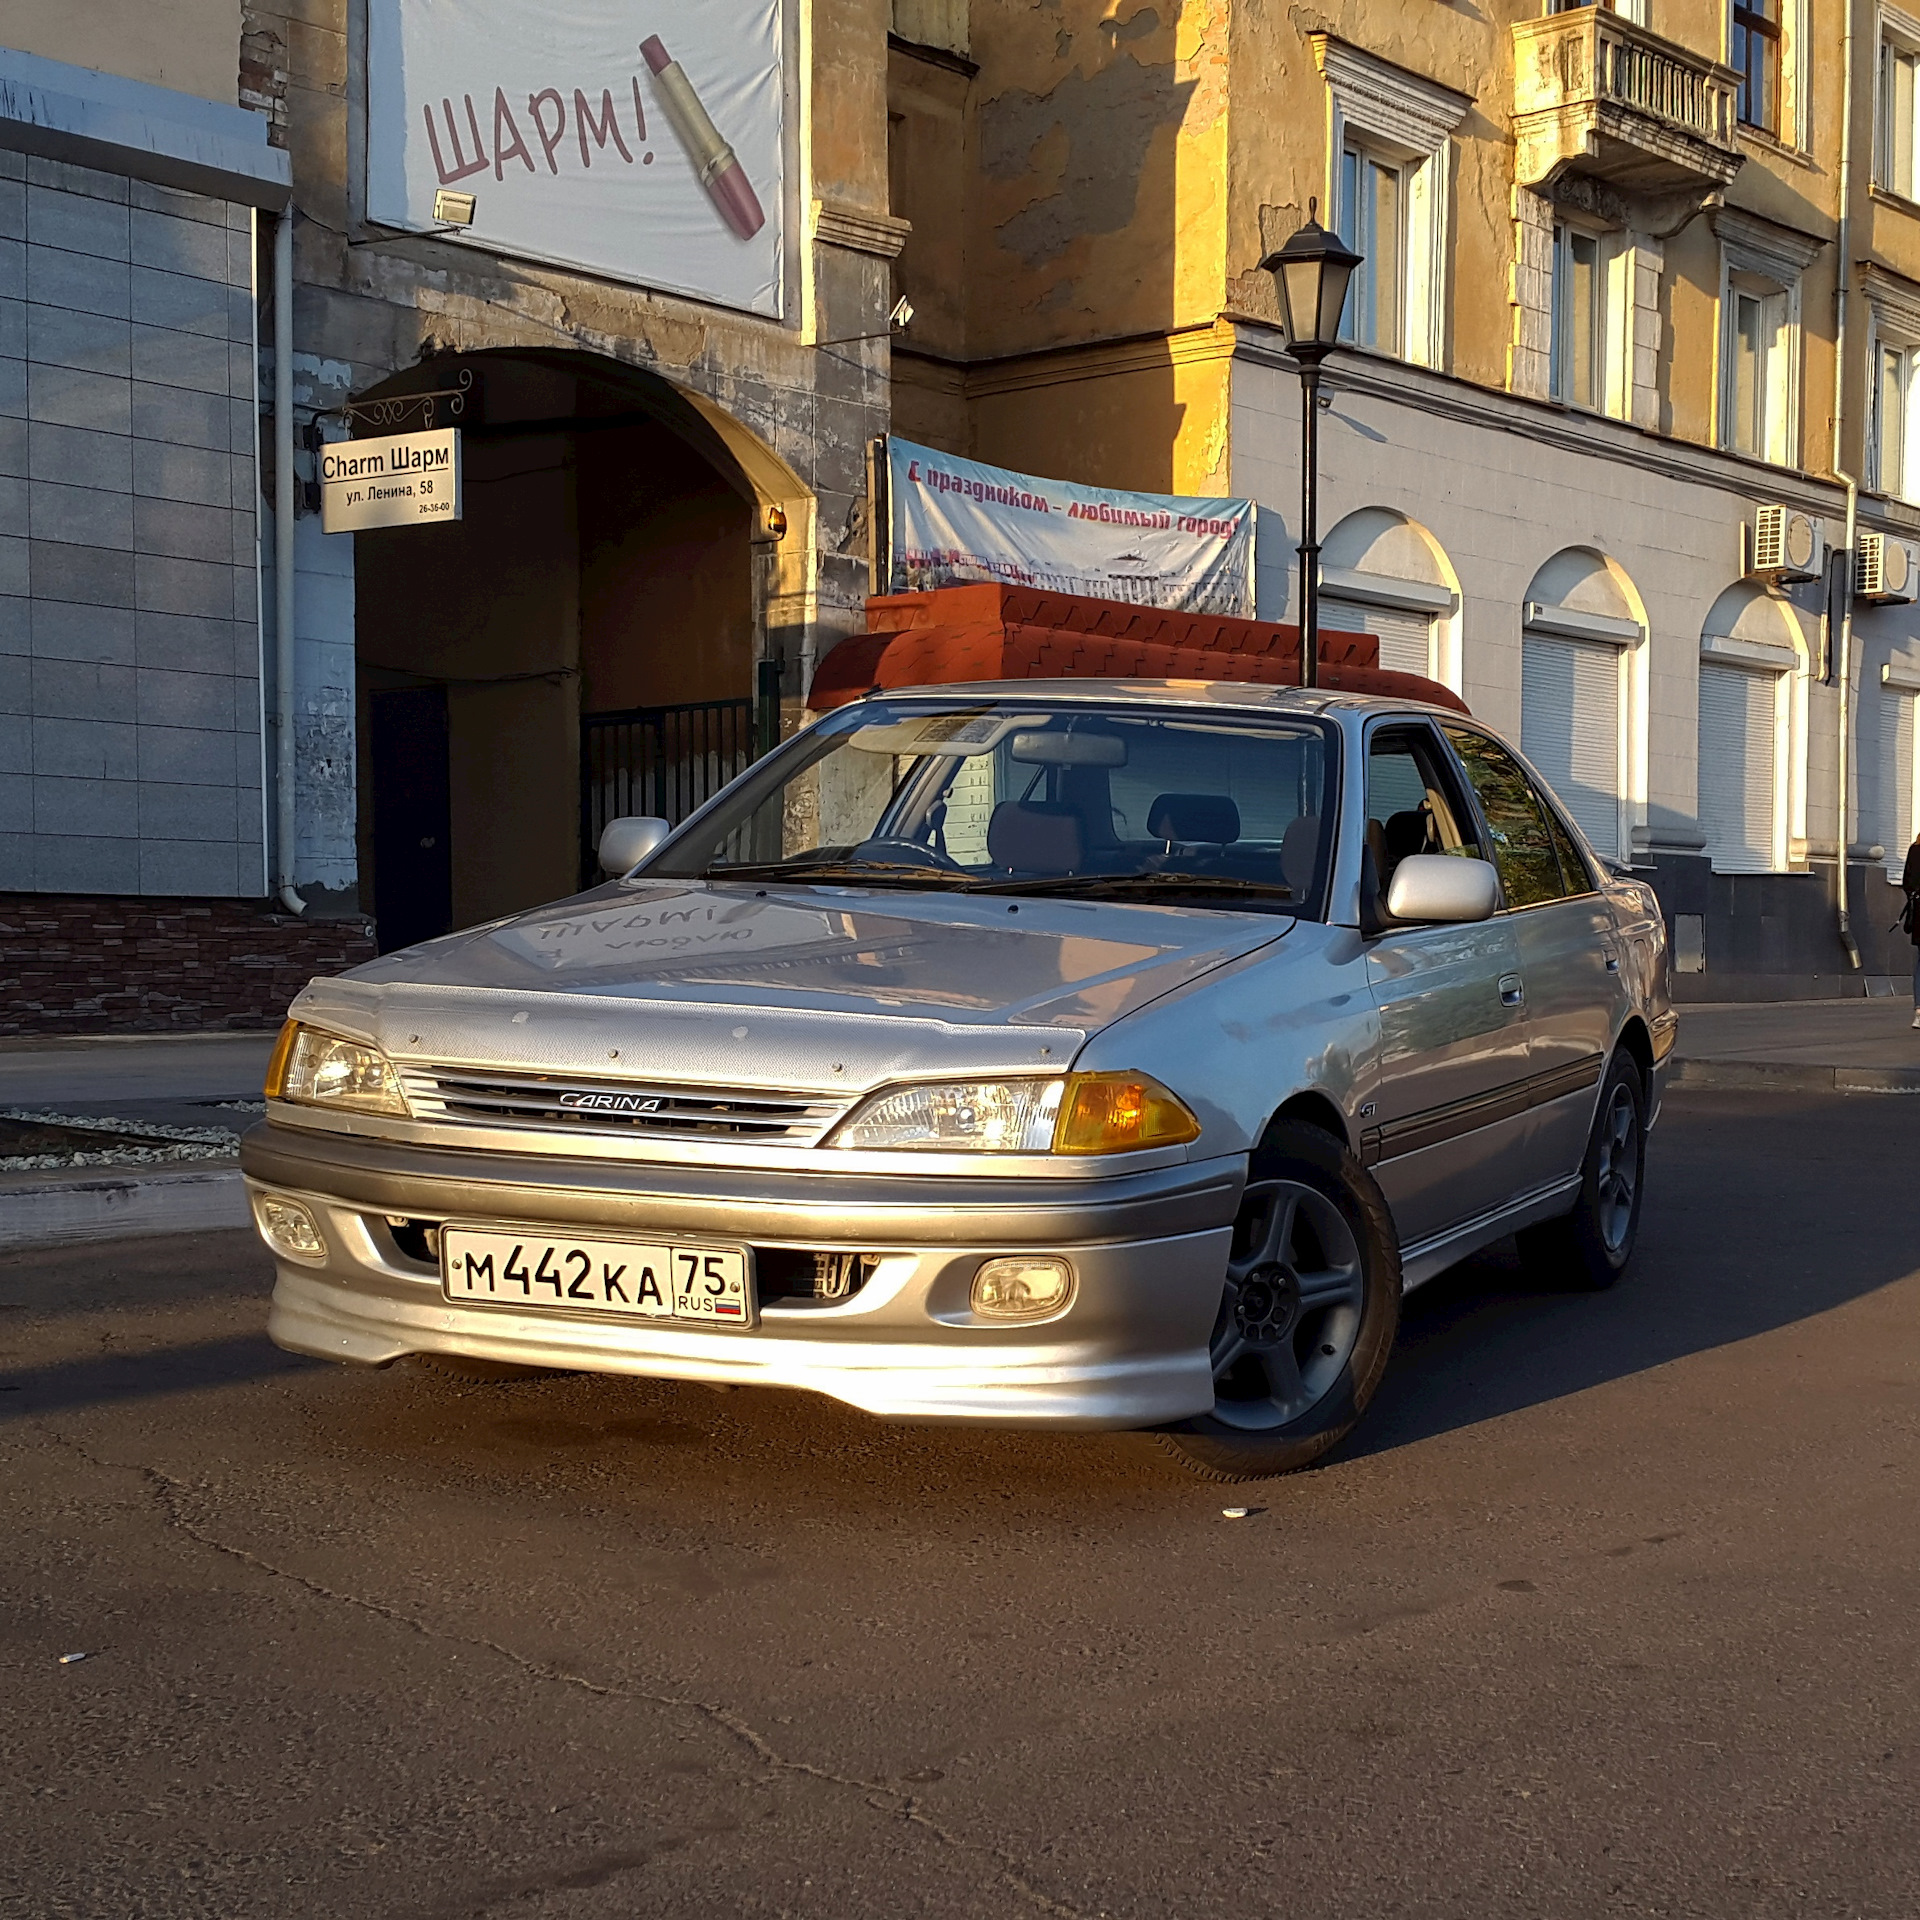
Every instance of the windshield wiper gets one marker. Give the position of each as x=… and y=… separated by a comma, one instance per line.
x=888, y=872
x=1085, y=883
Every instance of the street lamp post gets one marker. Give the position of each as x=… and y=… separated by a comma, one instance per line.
x=1311, y=272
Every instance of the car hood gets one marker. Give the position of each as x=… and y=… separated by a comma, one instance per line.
x=799, y=987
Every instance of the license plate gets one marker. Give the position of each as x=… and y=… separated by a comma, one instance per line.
x=623, y=1279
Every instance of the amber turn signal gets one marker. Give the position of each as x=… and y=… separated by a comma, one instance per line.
x=276, y=1088
x=1120, y=1113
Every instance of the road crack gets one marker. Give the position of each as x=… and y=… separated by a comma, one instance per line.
x=878, y=1795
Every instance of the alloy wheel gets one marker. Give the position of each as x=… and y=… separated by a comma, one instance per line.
x=1292, y=1307
x=1617, y=1175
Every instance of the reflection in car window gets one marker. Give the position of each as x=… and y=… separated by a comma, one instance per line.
x=1523, y=847
x=1574, y=870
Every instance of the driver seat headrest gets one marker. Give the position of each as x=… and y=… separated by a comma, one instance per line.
x=1211, y=817
x=1035, y=836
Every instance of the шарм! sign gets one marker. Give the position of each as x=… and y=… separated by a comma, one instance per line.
x=405, y=480
x=644, y=141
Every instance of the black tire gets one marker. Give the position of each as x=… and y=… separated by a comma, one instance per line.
x=475, y=1371
x=1327, y=1330
x=1587, y=1250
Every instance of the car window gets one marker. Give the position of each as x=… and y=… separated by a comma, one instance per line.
x=1523, y=838
x=1029, y=792
x=1412, y=806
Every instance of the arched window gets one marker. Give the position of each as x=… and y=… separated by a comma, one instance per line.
x=1384, y=574
x=1582, y=630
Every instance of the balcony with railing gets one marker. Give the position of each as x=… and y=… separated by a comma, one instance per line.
x=1595, y=92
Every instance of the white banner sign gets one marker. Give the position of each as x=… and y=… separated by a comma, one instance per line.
x=639, y=139
x=956, y=520
x=405, y=480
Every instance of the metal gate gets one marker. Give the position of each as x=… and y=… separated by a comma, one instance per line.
x=664, y=761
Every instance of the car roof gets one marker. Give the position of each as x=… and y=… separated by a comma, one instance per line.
x=1246, y=696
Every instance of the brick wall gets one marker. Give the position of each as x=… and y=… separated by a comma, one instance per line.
x=88, y=963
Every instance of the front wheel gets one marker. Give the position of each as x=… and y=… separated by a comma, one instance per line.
x=1588, y=1249
x=1308, y=1314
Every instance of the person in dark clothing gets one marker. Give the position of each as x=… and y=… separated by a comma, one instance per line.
x=1910, y=884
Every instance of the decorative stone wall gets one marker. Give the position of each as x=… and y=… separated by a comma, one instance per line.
x=88, y=963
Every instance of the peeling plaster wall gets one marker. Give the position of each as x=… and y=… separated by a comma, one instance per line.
x=1100, y=187
x=192, y=46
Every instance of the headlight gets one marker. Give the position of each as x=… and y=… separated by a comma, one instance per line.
x=322, y=1070
x=959, y=1116
x=1084, y=1113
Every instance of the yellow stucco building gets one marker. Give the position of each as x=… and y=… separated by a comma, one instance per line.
x=1600, y=335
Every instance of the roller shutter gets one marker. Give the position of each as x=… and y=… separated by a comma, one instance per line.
x=1406, y=639
x=1570, y=729
x=1737, y=798
x=1894, y=827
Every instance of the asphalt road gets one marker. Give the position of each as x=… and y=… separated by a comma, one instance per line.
x=1611, y=1610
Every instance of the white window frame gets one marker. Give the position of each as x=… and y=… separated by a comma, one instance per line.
x=1899, y=40
x=1899, y=476
x=1634, y=10
x=1759, y=257
x=1893, y=310
x=1400, y=117
x=1613, y=318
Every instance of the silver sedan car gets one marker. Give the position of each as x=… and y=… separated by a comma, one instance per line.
x=1074, y=1053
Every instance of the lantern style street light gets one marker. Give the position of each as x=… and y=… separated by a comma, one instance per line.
x=1312, y=272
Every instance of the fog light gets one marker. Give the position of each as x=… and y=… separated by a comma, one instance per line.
x=1021, y=1288
x=290, y=1228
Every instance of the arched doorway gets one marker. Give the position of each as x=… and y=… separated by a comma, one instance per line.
x=600, y=632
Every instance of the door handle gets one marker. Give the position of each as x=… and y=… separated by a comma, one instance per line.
x=1513, y=990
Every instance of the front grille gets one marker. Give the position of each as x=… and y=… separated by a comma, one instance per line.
x=550, y=1101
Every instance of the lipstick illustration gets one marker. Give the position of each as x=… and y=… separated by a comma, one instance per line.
x=719, y=170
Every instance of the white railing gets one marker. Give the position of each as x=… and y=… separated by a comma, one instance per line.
x=1593, y=89
x=1653, y=76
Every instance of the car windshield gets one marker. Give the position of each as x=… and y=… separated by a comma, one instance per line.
x=1035, y=795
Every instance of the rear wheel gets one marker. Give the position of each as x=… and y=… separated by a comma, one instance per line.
x=1308, y=1314
x=1588, y=1249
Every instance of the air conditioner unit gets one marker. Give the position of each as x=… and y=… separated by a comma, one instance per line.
x=1889, y=569
x=1788, y=544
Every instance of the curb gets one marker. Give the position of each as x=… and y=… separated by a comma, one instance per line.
x=108, y=1042
x=105, y=1203
x=1766, y=1076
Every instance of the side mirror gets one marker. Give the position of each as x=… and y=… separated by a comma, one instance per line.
x=1443, y=886
x=625, y=843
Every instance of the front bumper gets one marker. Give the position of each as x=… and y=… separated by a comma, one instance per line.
x=1148, y=1252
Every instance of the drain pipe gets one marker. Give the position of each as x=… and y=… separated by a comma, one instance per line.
x=1843, y=300
x=285, y=836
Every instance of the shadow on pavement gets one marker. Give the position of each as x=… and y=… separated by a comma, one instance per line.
x=103, y=1379
x=1726, y=1252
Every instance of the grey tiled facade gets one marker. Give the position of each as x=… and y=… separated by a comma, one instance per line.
x=130, y=710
